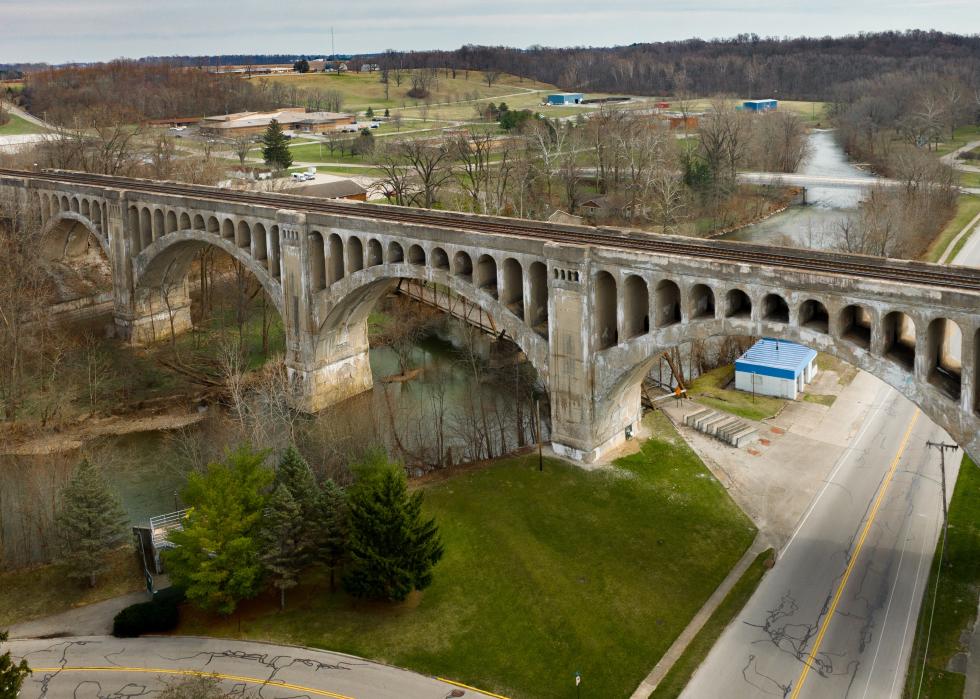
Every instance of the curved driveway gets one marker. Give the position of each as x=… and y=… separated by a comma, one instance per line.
x=87, y=667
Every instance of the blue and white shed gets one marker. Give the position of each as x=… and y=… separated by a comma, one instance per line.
x=769, y=105
x=560, y=98
x=775, y=368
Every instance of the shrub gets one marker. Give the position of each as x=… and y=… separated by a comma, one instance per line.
x=158, y=615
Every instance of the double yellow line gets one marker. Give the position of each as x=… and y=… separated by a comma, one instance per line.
x=854, y=557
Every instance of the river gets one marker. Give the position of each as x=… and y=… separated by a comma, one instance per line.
x=812, y=226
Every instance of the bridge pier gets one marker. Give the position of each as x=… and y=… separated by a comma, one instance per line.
x=155, y=316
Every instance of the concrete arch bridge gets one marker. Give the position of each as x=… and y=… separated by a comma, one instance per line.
x=591, y=308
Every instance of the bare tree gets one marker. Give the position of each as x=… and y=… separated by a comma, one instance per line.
x=491, y=76
x=242, y=145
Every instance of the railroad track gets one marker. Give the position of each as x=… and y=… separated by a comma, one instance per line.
x=959, y=278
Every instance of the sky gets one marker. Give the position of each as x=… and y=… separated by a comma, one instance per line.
x=57, y=31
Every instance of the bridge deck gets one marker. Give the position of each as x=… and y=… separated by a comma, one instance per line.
x=849, y=265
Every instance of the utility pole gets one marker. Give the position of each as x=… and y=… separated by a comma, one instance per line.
x=943, y=448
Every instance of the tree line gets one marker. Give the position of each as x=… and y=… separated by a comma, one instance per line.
x=787, y=68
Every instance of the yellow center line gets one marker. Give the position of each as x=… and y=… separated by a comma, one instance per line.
x=854, y=557
x=197, y=673
x=473, y=689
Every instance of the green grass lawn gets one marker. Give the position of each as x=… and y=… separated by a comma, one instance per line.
x=970, y=179
x=961, y=137
x=30, y=593
x=967, y=207
x=709, y=389
x=956, y=604
x=680, y=674
x=15, y=126
x=545, y=574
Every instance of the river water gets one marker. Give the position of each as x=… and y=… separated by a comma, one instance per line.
x=812, y=226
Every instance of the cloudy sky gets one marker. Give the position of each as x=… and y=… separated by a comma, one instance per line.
x=85, y=30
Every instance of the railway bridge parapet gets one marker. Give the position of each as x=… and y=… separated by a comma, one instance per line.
x=591, y=308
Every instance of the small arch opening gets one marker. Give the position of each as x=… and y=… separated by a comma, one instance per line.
x=395, y=253
x=213, y=225
x=513, y=291
x=259, y=244
x=318, y=272
x=814, y=316
x=899, y=334
x=274, y=252
x=171, y=222
x=243, y=236
x=374, y=255
x=537, y=308
x=228, y=229
x=440, y=260
x=855, y=325
x=185, y=222
x=336, y=258
x=463, y=266
x=416, y=255
x=486, y=274
x=702, y=302
x=198, y=222
x=355, y=254
x=668, y=303
x=943, y=361
x=636, y=307
x=157, y=224
x=775, y=309
x=606, y=331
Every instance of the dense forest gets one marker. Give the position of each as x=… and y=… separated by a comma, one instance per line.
x=801, y=68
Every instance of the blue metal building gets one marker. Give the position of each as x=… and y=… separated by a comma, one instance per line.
x=760, y=105
x=560, y=98
x=775, y=368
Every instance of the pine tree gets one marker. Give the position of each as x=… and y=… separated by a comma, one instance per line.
x=216, y=559
x=275, y=147
x=295, y=474
x=332, y=527
x=392, y=548
x=369, y=113
x=11, y=675
x=91, y=523
x=283, y=541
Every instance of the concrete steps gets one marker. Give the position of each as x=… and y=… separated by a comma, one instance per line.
x=727, y=428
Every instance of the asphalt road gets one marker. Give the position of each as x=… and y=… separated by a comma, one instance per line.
x=837, y=614
x=102, y=666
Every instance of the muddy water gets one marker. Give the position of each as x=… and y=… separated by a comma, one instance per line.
x=812, y=226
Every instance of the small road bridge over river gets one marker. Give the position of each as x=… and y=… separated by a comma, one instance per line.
x=591, y=308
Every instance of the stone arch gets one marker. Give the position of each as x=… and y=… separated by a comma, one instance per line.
x=512, y=295
x=335, y=256
x=943, y=366
x=318, y=261
x=133, y=226
x=606, y=327
x=375, y=254
x=184, y=221
x=274, y=265
x=158, y=229
x=73, y=205
x=351, y=301
x=702, y=300
x=171, y=223
x=486, y=274
x=97, y=217
x=416, y=255
x=65, y=206
x=738, y=304
x=214, y=225
x=440, y=260
x=146, y=228
x=168, y=260
x=636, y=307
x=66, y=235
x=775, y=309
x=814, y=316
x=667, y=308
x=898, y=332
x=198, y=224
x=855, y=325
x=355, y=254
x=396, y=254
x=228, y=229
x=618, y=379
x=243, y=235
x=463, y=266
x=86, y=208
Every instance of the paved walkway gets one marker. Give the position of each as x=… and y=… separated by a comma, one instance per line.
x=102, y=666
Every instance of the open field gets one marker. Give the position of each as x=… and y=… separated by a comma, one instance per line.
x=30, y=593
x=967, y=207
x=956, y=602
x=677, y=678
x=16, y=126
x=961, y=137
x=545, y=574
x=363, y=90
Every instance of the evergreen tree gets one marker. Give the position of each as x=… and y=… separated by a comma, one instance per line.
x=91, y=522
x=387, y=112
x=369, y=113
x=296, y=475
x=216, y=559
x=275, y=147
x=332, y=527
x=392, y=548
x=283, y=541
x=11, y=675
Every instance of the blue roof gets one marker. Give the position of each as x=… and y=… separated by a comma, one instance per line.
x=779, y=358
